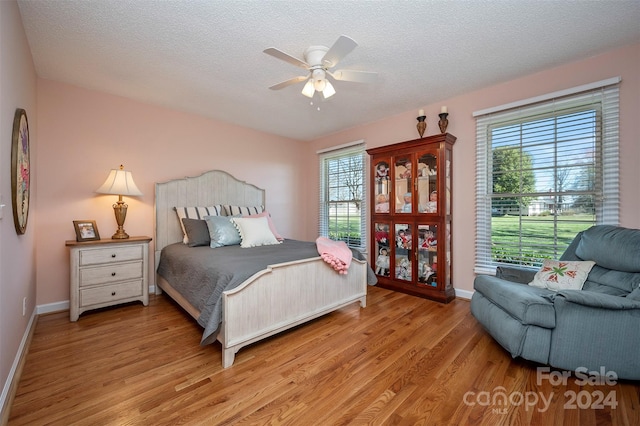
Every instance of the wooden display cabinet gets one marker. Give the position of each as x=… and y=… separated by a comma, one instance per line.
x=411, y=229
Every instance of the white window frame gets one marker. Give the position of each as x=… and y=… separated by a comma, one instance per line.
x=356, y=148
x=606, y=93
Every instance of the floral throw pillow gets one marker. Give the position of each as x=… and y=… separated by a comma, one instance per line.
x=562, y=275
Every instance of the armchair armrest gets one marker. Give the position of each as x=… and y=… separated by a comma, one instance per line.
x=516, y=274
x=598, y=300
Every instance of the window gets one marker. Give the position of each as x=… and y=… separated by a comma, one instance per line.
x=342, y=195
x=546, y=170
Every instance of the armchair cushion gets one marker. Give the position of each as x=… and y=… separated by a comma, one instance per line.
x=634, y=295
x=599, y=300
x=624, y=282
x=528, y=305
x=611, y=247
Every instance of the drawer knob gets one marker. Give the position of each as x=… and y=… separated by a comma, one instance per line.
x=113, y=293
x=113, y=255
x=113, y=274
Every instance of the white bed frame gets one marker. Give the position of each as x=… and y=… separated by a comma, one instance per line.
x=275, y=299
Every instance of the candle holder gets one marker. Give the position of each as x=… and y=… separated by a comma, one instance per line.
x=422, y=124
x=443, y=123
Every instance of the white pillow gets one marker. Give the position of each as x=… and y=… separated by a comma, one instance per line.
x=270, y=222
x=562, y=275
x=254, y=231
x=195, y=213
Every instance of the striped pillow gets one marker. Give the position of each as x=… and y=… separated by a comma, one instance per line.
x=196, y=213
x=243, y=210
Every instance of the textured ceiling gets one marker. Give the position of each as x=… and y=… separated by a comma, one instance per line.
x=205, y=57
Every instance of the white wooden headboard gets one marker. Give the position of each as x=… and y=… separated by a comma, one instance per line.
x=209, y=189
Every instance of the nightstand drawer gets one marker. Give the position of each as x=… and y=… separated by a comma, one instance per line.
x=110, y=255
x=111, y=273
x=110, y=293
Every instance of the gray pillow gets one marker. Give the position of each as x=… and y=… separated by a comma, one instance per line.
x=222, y=232
x=197, y=232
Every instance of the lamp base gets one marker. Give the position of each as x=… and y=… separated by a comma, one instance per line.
x=120, y=235
x=120, y=210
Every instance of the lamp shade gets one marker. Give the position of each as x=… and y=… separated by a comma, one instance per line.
x=308, y=90
x=328, y=90
x=119, y=182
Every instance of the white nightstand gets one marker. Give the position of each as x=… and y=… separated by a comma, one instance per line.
x=108, y=272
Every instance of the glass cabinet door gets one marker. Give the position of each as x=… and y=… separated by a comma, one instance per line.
x=428, y=255
x=382, y=249
x=402, y=249
x=447, y=252
x=381, y=186
x=427, y=186
x=403, y=184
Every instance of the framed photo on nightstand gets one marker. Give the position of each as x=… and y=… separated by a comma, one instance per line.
x=86, y=230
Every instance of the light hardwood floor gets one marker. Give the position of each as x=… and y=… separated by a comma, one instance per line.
x=401, y=360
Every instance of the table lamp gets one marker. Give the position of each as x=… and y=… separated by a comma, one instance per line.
x=119, y=182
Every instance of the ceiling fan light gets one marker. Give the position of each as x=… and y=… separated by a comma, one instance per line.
x=328, y=90
x=308, y=90
x=319, y=79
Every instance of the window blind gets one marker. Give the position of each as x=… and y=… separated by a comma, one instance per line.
x=551, y=165
x=342, y=195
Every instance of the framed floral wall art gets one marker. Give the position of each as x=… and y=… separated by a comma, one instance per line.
x=20, y=170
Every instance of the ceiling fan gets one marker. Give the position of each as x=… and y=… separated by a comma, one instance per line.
x=318, y=60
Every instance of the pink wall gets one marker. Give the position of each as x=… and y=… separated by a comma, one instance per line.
x=85, y=133
x=17, y=252
x=624, y=62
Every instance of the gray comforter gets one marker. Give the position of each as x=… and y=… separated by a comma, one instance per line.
x=202, y=274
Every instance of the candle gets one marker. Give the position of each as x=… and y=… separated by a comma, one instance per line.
x=443, y=110
x=420, y=112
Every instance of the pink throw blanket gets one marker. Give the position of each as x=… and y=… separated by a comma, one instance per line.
x=335, y=253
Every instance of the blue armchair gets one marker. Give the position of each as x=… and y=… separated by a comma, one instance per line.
x=594, y=328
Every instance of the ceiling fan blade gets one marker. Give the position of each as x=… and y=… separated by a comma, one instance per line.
x=276, y=53
x=339, y=50
x=355, y=76
x=289, y=82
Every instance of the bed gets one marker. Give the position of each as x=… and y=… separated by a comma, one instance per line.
x=273, y=297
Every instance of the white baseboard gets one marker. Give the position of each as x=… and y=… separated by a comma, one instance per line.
x=9, y=385
x=464, y=294
x=52, y=307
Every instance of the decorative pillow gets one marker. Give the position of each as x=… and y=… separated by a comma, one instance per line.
x=222, y=232
x=254, y=232
x=197, y=232
x=270, y=222
x=195, y=213
x=243, y=210
x=562, y=275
